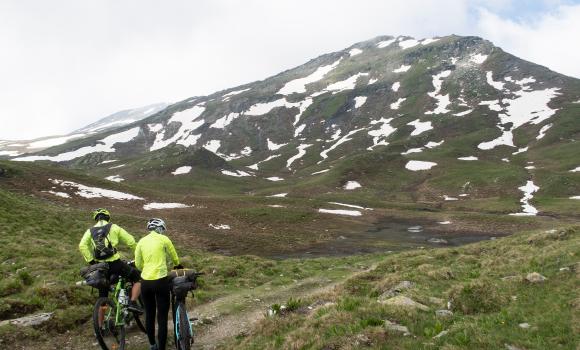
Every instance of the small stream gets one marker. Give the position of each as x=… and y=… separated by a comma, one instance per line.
x=388, y=235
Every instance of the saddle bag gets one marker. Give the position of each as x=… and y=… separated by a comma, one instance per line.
x=96, y=275
x=181, y=285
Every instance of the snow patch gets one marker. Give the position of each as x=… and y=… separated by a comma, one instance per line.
x=350, y=205
x=354, y=52
x=183, y=136
x=477, y=58
x=385, y=43
x=420, y=127
x=58, y=194
x=340, y=212
x=359, y=101
x=151, y=206
x=347, y=84
x=255, y=166
x=275, y=178
x=301, y=152
x=520, y=150
x=442, y=100
x=406, y=44
x=543, y=130
x=237, y=173
x=528, y=107
x=492, y=105
x=575, y=170
x=345, y=138
x=279, y=195
x=94, y=192
x=213, y=146
x=115, y=178
x=299, y=85
x=352, y=185
x=395, y=87
x=380, y=135
x=402, y=69
x=182, y=170
x=527, y=209
x=272, y=146
x=53, y=141
x=232, y=93
x=395, y=105
x=447, y=198
x=461, y=114
x=222, y=122
x=496, y=84
x=468, y=158
x=429, y=41
x=320, y=172
x=104, y=145
x=416, y=165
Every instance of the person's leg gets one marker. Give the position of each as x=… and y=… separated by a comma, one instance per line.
x=103, y=293
x=135, y=291
x=163, y=302
x=148, y=293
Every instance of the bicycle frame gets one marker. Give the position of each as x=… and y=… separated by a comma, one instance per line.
x=120, y=310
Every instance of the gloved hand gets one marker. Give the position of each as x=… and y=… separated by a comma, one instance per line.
x=178, y=267
x=92, y=262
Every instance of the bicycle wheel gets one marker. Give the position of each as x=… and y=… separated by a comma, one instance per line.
x=183, y=331
x=109, y=335
x=140, y=318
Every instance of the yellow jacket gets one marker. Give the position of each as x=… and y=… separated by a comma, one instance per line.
x=151, y=256
x=116, y=235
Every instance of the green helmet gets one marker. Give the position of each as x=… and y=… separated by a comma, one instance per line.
x=101, y=212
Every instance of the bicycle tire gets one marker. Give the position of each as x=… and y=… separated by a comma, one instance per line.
x=140, y=318
x=183, y=332
x=109, y=336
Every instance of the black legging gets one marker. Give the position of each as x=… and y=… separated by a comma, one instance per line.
x=156, y=298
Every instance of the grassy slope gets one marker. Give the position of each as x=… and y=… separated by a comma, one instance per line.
x=487, y=309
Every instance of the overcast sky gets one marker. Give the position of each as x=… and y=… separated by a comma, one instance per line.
x=67, y=63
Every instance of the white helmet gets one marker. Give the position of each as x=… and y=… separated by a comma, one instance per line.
x=156, y=224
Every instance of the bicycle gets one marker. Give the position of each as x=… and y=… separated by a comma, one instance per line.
x=180, y=286
x=111, y=315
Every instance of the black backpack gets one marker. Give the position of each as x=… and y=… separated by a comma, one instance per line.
x=103, y=247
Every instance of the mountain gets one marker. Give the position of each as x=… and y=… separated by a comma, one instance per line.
x=453, y=120
x=128, y=116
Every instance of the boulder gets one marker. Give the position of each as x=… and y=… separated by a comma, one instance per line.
x=404, y=302
x=404, y=285
x=392, y=326
x=443, y=313
x=30, y=320
x=535, y=277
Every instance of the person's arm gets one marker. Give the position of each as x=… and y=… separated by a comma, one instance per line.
x=125, y=237
x=86, y=247
x=139, y=258
x=171, y=250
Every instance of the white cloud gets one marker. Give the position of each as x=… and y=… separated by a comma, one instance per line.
x=67, y=63
x=549, y=40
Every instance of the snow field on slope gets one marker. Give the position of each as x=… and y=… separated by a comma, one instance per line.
x=345, y=138
x=382, y=133
x=442, y=100
x=527, y=209
x=104, y=145
x=299, y=85
x=94, y=192
x=420, y=127
x=151, y=206
x=301, y=152
x=115, y=178
x=183, y=136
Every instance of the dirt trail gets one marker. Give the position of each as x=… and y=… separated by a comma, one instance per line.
x=236, y=314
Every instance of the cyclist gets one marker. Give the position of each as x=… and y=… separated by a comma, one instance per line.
x=151, y=258
x=99, y=244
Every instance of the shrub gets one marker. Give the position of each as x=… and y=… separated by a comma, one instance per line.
x=477, y=297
